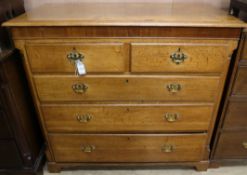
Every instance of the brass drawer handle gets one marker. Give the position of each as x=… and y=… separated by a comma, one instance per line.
x=167, y=148
x=245, y=145
x=84, y=118
x=178, y=57
x=88, y=148
x=171, y=117
x=79, y=88
x=74, y=56
x=174, y=88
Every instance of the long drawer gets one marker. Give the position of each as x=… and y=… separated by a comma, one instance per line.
x=97, y=57
x=232, y=145
x=127, y=88
x=178, y=57
x=126, y=118
x=127, y=148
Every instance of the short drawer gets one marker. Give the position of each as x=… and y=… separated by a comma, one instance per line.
x=127, y=88
x=236, y=115
x=125, y=118
x=98, y=57
x=128, y=148
x=178, y=57
x=232, y=145
x=240, y=86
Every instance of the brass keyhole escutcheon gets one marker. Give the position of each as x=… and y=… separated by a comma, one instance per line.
x=178, y=57
x=245, y=145
x=174, y=88
x=74, y=56
x=167, y=148
x=171, y=117
x=84, y=118
x=88, y=148
x=79, y=88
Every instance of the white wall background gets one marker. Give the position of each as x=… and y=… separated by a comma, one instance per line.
x=30, y=4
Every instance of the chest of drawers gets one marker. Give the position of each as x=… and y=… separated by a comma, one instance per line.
x=152, y=88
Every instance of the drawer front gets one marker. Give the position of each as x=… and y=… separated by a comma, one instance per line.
x=236, y=115
x=98, y=57
x=127, y=148
x=178, y=57
x=240, y=87
x=244, y=53
x=232, y=145
x=91, y=118
x=129, y=88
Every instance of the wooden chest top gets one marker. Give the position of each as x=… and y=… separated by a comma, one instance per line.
x=128, y=14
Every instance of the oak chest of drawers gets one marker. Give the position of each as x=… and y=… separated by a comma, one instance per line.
x=152, y=87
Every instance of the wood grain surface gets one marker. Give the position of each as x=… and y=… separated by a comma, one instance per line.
x=127, y=88
x=127, y=148
x=231, y=145
x=235, y=118
x=117, y=118
x=240, y=86
x=156, y=57
x=128, y=14
x=98, y=57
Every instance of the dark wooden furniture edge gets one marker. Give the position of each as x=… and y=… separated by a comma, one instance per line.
x=227, y=97
x=111, y=31
x=227, y=162
x=20, y=125
x=37, y=169
x=236, y=6
x=5, y=54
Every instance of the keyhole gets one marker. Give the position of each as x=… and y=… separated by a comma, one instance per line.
x=127, y=81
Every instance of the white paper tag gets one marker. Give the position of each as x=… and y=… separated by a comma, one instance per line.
x=81, y=69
